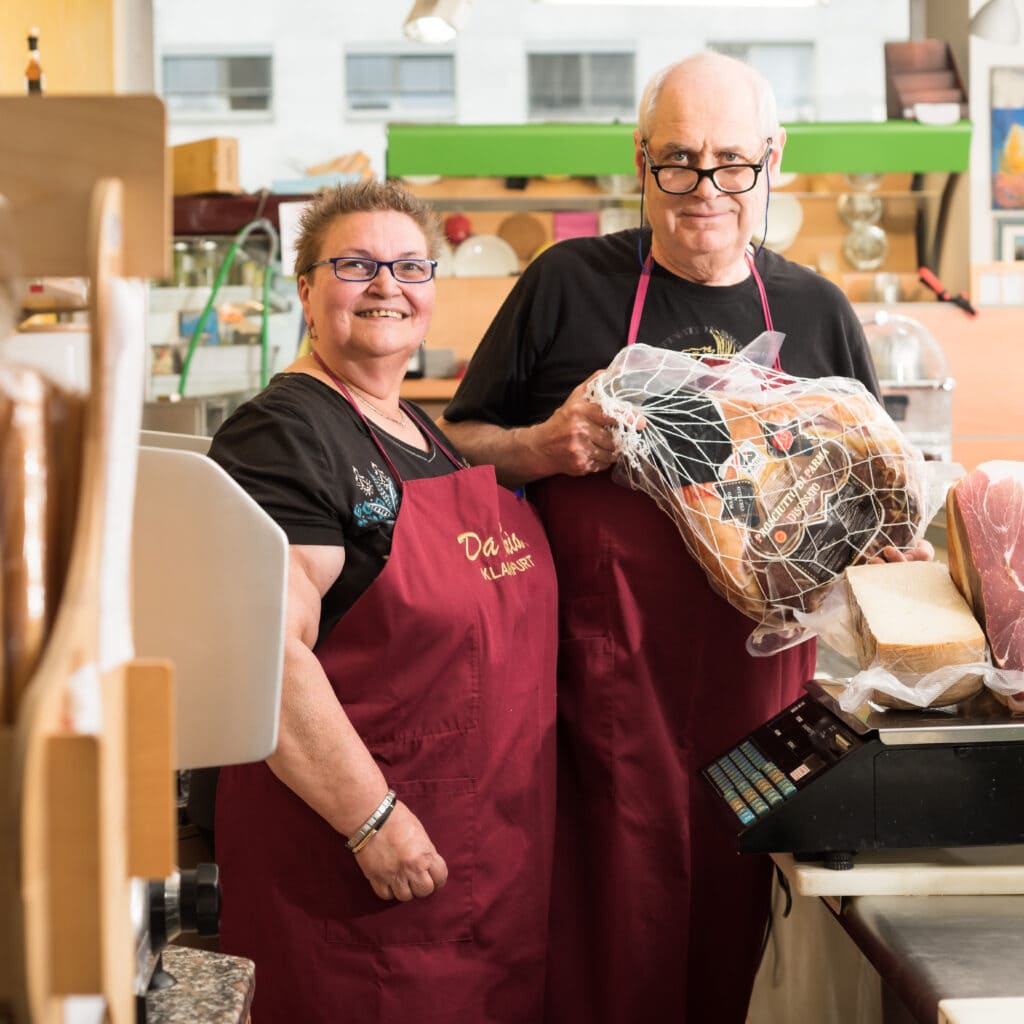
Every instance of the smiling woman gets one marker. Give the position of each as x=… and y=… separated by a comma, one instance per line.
x=368, y=292
x=396, y=881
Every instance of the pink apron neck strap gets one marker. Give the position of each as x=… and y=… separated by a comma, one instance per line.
x=645, y=281
x=768, y=326
x=639, y=299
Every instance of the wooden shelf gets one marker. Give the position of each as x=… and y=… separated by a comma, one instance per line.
x=429, y=389
x=537, y=194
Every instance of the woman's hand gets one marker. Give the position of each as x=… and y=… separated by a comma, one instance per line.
x=400, y=861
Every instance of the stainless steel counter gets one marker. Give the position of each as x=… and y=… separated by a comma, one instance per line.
x=943, y=929
x=946, y=958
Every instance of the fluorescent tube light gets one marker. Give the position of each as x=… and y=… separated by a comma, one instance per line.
x=689, y=3
x=998, y=22
x=435, y=21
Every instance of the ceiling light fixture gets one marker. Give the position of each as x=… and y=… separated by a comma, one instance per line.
x=998, y=22
x=436, y=21
x=692, y=3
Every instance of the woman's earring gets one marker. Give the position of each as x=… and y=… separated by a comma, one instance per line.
x=311, y=331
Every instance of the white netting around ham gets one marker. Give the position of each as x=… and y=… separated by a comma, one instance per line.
x=775, y=483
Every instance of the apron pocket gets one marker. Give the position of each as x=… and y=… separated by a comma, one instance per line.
x=358, y=917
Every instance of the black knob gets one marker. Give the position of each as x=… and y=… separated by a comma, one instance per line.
x=159, y=924
x=838, y=860
x=200, y=900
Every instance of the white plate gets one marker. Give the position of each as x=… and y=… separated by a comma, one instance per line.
x=617, y=218
x=785, y=218
x=618, y=184
x=937, y=113
x=485, y=256
x=445, y=261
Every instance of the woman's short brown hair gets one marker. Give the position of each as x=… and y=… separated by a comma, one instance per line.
x=363, y=197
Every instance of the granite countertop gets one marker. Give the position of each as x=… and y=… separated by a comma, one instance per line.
x=212, y=988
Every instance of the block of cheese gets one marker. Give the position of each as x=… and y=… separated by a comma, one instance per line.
x=910, y=619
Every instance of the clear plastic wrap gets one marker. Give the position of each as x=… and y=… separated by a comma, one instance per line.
x=900, y=686
x=775, y=483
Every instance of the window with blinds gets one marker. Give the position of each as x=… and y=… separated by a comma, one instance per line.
x=409, y=86
x=581, y=86
x=217, y=84
x=790, y=69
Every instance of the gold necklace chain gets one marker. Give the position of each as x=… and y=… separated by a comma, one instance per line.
x=402, y=421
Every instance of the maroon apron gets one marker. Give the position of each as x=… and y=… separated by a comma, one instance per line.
x=446, y=668
x=654, y=916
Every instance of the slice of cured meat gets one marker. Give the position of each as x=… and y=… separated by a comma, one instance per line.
x=985, y=526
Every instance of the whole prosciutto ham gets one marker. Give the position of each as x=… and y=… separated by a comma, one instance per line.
x=776, y=483
x=985, y=525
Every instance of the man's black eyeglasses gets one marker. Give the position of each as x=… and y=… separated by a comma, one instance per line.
x=358, y=268
x=677, y=180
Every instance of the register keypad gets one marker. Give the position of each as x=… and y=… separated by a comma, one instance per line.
x=803, y=739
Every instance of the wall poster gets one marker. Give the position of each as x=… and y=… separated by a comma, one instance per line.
x=1007, y=103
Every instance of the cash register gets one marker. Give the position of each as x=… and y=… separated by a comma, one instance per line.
x=824, y=784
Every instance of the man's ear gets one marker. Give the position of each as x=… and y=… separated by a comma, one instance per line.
x=775, y=158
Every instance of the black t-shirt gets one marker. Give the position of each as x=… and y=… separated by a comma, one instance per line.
x=568, y=315
x=303, y=454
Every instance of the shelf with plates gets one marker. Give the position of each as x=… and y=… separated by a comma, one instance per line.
x=929, y=159
x=826, y=206
x=538, y=193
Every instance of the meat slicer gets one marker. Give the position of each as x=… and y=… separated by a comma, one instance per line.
x=163, y=909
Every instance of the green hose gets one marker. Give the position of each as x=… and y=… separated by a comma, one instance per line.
x=261, y=224
x=265, y=331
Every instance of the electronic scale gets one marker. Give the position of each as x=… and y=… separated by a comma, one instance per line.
x=823, y=783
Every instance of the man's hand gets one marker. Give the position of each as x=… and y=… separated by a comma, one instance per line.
x=400, y=861
x=921, y=552
x=576, y=439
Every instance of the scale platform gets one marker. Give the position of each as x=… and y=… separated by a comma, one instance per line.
x=824, y=784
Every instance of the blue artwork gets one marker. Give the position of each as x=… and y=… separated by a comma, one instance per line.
x=1007, y=104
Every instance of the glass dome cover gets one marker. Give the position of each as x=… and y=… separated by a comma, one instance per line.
x=904, y=350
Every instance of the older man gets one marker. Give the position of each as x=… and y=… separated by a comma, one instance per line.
x=655, y=917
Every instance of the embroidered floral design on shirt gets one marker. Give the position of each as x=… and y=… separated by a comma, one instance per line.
x=381, y=504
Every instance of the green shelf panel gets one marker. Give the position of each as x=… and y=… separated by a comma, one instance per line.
x=869, y=147
x=517, y=150
x=509, y=150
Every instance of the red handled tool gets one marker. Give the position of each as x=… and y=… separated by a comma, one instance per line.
x=961, y=300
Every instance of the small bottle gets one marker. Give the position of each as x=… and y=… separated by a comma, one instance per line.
x=34, y=70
